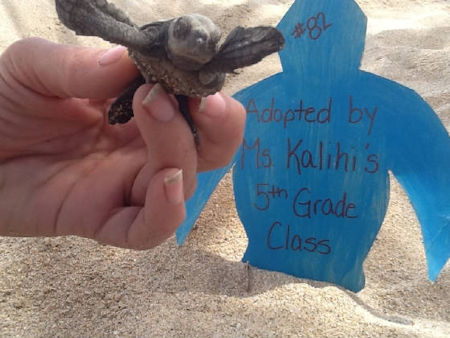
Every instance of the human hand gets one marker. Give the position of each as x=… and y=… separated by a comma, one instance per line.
x=65, y=171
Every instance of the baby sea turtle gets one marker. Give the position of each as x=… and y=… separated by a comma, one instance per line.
x=182, y=54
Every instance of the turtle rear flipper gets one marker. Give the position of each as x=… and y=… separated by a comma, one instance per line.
x=121, y=110
x=102, y=19
x=183, y=106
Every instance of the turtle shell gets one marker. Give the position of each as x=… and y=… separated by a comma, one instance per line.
x=175, y=80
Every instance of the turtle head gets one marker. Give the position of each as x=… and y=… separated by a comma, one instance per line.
x=192, y=41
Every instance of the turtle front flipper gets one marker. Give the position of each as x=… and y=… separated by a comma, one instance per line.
x=121, y=110
x=244, y=47
x=102, y=19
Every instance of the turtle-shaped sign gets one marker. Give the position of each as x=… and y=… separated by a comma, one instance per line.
x=311, y=179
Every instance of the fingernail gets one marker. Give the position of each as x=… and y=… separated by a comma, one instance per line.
x=202, y=106
x=152, y=94
x=213, y=105
x=111, y=56
x=159, y=106
x=173, y=185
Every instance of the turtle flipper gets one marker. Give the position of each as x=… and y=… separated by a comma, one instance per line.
x=244, y=47
x=183, y=106
x=121, y=110
x=102, y=19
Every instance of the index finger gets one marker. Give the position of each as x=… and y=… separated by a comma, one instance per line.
x=67, y=71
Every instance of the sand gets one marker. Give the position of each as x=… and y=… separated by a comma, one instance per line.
x=75, y=287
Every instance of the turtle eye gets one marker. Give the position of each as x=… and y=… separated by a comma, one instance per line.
x=201, y=37
x=182, y=28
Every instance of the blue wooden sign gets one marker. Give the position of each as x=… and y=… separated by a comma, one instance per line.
x=311, y=178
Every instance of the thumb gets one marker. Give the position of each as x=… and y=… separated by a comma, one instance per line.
x=64, y=71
